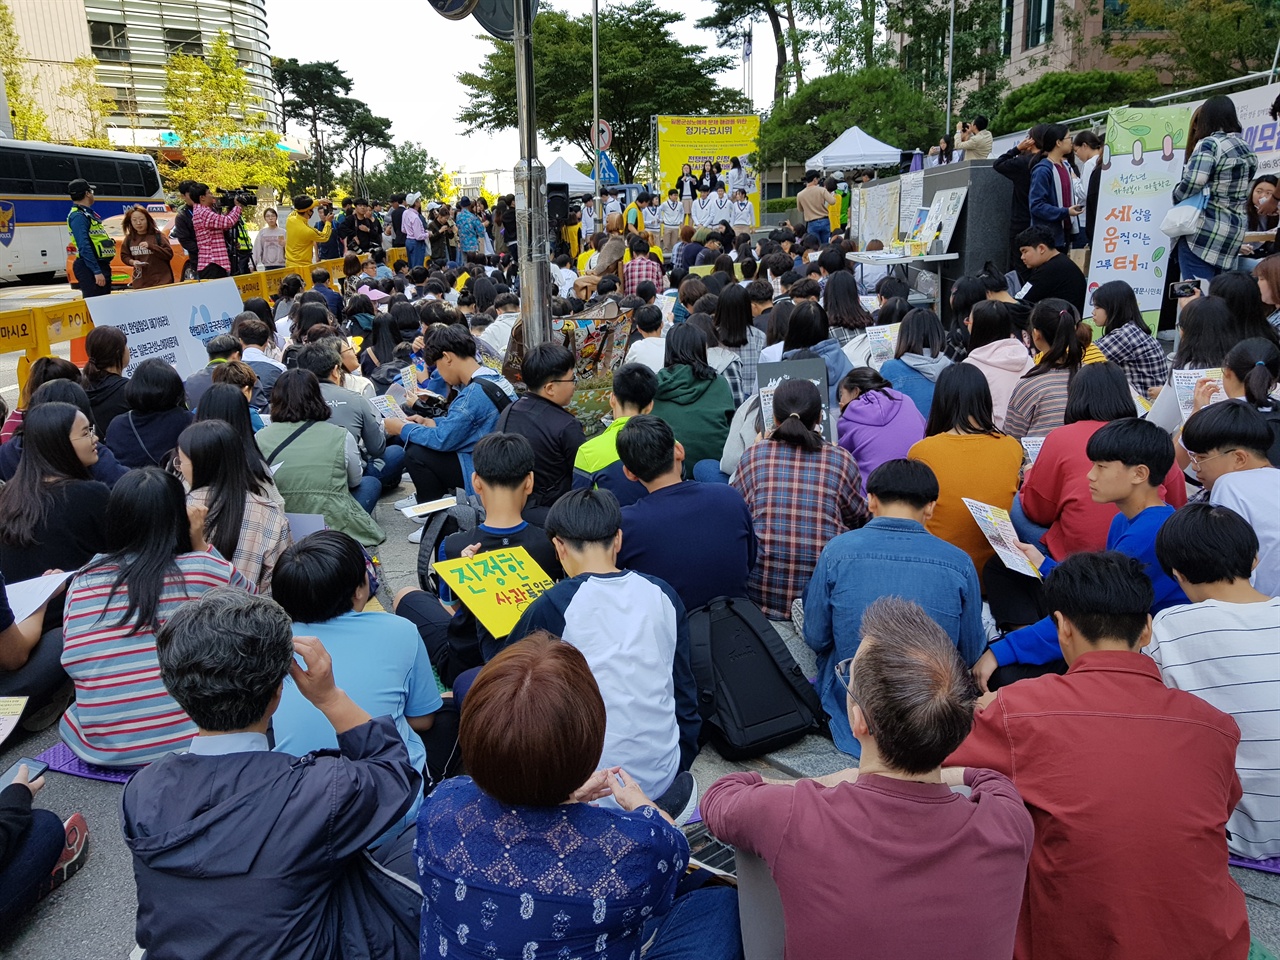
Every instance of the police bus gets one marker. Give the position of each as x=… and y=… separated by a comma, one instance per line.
x=34, y=202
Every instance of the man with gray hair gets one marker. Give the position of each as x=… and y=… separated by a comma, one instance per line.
x=855, y=852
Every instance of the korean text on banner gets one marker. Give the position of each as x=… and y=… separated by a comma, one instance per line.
x=496, y=586
x=1253, y=107
x=1141, y=164
x=172, y=323
x=694, y=140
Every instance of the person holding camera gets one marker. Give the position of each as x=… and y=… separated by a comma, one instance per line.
x=300, y=236
x=974, y=139
x=211, y=229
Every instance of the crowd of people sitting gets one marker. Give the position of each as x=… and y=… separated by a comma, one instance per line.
x=329, y=770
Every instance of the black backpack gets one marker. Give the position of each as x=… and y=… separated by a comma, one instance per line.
x=466, y=514
x=752, y=695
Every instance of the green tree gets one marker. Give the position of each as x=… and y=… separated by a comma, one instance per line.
x=30, y=122
x=847, y=39
x=94, y=105
x=362, y=132
x=1060, y=96
x=223, y=134
x=979, y=47
x=1196, y=41
x=878, y=99
x=730, y=21
x=314, y=95
x=670, y=77
x=408, y=168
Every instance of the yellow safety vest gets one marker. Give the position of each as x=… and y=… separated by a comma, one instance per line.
x=639, y=217
x=104, y=248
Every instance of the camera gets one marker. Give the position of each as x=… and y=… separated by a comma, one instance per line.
x=245, y=196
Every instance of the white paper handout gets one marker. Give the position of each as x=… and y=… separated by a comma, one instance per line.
x=1184, y=386
x=1032, y=445
x=883, y=340
x=998, y=529
x=26, y=596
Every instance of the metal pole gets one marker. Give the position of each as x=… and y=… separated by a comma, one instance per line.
x=595, y=101
x=951, y=61
x=531, y=192
x=1275, y=61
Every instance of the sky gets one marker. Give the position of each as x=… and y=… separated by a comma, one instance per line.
x=381, y=43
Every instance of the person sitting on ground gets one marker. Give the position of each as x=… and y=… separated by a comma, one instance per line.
x=103, y=380
x=691, y=397
x=438, y=451
x=317, y=465
x=1126, y=338
x=1224, y=647
x=240, y=375
x=1053, y=275
x=1250, y=372
x=242, y=520
x=651, y=348
x=146, y=435
x=254, y=338
x=996, y=350
x=697, y=537
x=877, y=423
x=1054, y=509
x=230, y=404
x=808, y=336
x=541, y=784
x=1099, y=877
x=38, y=852
x=725, y=362
x=884, y=558
x=323, y=583
x=221, y=349
x=43, y=370
x=53, y=515
x=106, y=468
x=737, y=332
x=849, y=849
x=801, y=491
x=597, y=464
x=1130, y=460
x=1039, y=399
x=503, y=477
x=156, y=559
x=381, y=461
x=205, y=826
x=631, y=627
x=918, y=359
x=970, y=458
x=541, y=418
x=1227, y=443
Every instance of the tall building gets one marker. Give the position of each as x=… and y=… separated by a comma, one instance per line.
x=132, y=41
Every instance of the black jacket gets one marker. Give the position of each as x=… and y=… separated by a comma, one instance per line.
x=1017, y=168
x=106, y=401
x=555, y=435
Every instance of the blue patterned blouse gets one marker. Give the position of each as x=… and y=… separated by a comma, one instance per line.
x=540, y=883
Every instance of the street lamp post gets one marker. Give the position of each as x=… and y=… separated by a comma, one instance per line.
x=951, y=61
x=595, y=94
x=531, y=192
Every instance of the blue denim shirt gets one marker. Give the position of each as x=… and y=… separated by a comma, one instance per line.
x=471, y=416
x=887, y=557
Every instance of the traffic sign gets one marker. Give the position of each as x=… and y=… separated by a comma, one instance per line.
x=603, y=138
x=608, y=172
x=454, y=9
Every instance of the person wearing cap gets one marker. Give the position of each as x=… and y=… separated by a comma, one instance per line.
x=704, y=211
x=633, y=216
x=470, y=228
x=300, y=236
x=414, y=228
x=94, y=247
x=613, y=204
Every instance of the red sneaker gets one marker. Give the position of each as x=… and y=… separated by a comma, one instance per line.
x=74, y=853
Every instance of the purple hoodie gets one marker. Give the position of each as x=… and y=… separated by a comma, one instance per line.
x=879, y=425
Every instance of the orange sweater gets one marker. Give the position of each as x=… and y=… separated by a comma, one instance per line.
x=977, y=466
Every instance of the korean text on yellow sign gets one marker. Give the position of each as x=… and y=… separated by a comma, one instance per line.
x=496, y=586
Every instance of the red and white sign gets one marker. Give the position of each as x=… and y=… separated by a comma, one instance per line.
x=603, y=136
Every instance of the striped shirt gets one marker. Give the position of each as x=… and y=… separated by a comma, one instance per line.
x=799, y=501
x=1228, y=654
x=1037, y=404
x=122, y=715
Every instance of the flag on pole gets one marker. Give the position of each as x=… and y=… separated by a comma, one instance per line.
x=746, y=47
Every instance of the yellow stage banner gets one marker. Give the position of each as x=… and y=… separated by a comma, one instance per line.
x=694, y=140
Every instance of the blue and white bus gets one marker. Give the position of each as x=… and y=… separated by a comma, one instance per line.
x=34, y=201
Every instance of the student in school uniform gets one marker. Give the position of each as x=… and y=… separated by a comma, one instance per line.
x=720, y=203
x=742, y=212
x=704, y=211
x=671, y=217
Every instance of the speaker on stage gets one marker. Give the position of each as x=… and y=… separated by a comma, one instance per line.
x=558, y=201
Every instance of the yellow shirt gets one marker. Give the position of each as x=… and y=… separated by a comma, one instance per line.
x=1091, y=355
x=299, y=239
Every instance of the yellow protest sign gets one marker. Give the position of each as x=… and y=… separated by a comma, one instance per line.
x=496, y=586
x=693, y=140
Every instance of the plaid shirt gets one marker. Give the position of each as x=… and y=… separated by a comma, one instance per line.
x=1139, y=354
x=799, y=501
x=1225, y=164
x=749, y=354
x=639, y=270
x=211, y=241
x=264, y=536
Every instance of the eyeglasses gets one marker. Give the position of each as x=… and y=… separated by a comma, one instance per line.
x=844, y=673
x=573, y=379
x=85, y=435
x=1197, y=460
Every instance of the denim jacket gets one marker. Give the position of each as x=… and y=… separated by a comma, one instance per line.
x=887, y=557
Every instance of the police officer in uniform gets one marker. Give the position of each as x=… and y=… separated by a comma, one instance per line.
x=94, y=247
x=240, y=249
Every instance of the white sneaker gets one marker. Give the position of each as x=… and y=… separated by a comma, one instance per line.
x=416, y=536
x=408, y=501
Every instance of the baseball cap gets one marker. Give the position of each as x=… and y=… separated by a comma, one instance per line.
x=413, y=198
x=78, y=188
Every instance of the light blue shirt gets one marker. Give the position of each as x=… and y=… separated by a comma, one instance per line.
x=221, y=744
x=381, y=663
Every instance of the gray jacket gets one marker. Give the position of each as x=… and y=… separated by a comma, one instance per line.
x=356, y=415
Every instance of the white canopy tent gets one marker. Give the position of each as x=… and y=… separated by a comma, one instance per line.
x=853, y=148
x=562, y=171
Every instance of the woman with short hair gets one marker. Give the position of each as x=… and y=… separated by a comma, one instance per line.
x=515, y=860
x=146, y=434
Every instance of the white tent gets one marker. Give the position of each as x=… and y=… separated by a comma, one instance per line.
x=562, y=171
x=855, y=147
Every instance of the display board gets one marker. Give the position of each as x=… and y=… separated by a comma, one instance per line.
x=879, y=213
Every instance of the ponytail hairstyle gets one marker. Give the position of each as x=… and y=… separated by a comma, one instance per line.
x=797, y=407
x=44, y=369
x=1255, y=363
x=106, y=347
x=864, y=380
x=1057, y=321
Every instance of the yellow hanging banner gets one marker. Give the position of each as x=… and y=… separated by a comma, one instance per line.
x=697, y=140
